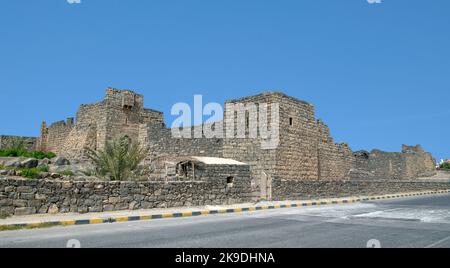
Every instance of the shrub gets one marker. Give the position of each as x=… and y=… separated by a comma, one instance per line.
x=43, y=168
x=445, y=166
x=30, y=173
x=118, y=160
x=5, y=168
x=42, y=155
x=14, y=152
x=33, y=173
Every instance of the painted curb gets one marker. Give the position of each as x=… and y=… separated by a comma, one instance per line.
x=309, y=203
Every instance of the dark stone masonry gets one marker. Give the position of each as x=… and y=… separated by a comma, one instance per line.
x=24, y=197
x=304, y=190
x=306, y=163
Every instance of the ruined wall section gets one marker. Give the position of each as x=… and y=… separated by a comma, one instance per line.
x=120, y=114
x=393, y=166
x=335, y=160
x=57, y=134
x=78, y=141
x=420, y=165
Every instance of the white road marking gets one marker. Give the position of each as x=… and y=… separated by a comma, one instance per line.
x=438, y=242
x=423, y=215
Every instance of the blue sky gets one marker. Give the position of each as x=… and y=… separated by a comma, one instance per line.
x=378, y=75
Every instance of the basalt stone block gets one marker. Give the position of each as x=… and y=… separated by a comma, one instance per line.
x=20, y=203
x=24, y=211
x=43, y=209
x=61, y=161
x=25, y=189
x=95, y=209
x=29, y=163
x=108, y=207
x=6, y=202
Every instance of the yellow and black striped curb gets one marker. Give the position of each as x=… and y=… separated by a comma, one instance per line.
x=213, y=212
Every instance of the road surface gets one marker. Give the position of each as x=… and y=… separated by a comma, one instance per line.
x=409, y=222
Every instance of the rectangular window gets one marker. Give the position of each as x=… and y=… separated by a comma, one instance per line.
x=230, y=181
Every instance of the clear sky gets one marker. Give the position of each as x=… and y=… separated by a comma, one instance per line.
x=378, y=74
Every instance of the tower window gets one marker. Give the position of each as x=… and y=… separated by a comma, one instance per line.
x=291, y=121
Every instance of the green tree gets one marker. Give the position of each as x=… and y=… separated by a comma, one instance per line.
x=118, y=160
x=445, y=165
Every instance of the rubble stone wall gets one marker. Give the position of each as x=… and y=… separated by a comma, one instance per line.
x=335, y=160
x=57, y=134
x=24, y=197
x=304, y=190
x=393, y=166
x=161, y=142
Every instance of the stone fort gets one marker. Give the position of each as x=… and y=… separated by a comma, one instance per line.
x=306, y=149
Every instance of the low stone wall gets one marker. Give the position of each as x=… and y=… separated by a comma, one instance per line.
x=298, y=190
x=24, y=197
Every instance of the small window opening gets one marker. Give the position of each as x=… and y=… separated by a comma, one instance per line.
x=290, y=121
x=230, y=181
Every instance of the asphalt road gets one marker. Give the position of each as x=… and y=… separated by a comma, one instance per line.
x=410, y=222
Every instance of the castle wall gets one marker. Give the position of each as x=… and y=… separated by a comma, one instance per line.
x=149, y=116
x=78, y=140
x=90, y=115
x=335, y=160
x=56, y=136
x=306, y=150
x=119, y=114
x=393, y=166
x=161, y=142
